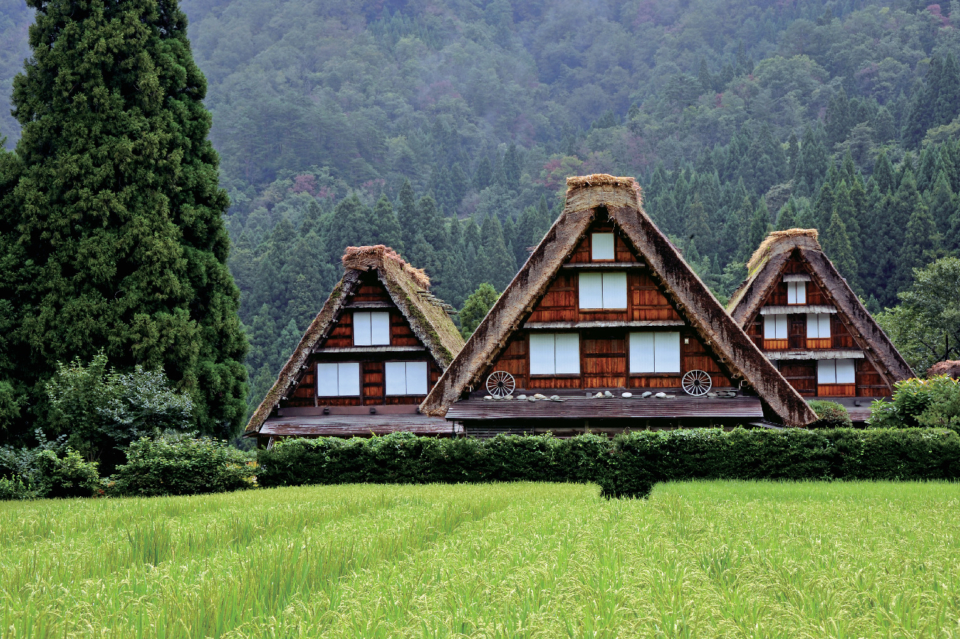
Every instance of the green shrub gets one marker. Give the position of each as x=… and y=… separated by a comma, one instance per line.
x=180, y=464
x=50, y=469
x=830, y=414
x=628, y=465
x=920, y=403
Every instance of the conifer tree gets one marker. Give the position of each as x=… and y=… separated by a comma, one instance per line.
x=483, y=176
x=120, y=242
x=941, y=202
x=836, y=244
x=920, y=247
x=787, y=218
x=698, y=231
x=759, y=227
x=500, y=266
x=883, y=174
x=386, y=225
x=407, y=214
x=351, y=227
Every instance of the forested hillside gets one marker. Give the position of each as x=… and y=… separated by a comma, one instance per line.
x=361, y=121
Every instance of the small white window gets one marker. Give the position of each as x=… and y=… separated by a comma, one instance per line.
x=406, y=378
x=602, y=246
x=818, y=325
x=774, y=327
x=603, y=291
x=836, y=371
x=655, y=352
x=554, y=354
x=796, y=292
x=338, y=380
x=371, y=329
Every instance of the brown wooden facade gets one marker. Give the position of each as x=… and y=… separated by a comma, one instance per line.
x=802, y=373
x=603, y=334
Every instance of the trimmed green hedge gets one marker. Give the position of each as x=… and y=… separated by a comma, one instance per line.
x=626, y=466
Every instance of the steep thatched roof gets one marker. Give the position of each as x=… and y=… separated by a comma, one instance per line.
x=765, y=270
x=408, y=288
x=951, y=368
x=621, y=198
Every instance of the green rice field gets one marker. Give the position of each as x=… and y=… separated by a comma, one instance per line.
x=732, y=559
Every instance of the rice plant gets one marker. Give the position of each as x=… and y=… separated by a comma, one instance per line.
x=510, y=560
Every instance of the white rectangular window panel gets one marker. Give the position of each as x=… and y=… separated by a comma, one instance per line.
x=774, y=327
x=338, y=380
x=591, y=290
x=568, y=353
x=615, y=290
x=642, y=353
x=655, y=352
x=827, y=371
x=554, y=354
x=602, y=246
x=380, y=329
x=667, y=352
x=328, y=384
x=603, y=291
x=361, y=329
x=406, y=378
x=796, y=292
x=371, y=329
x=818, y=325
x=416, y=378
x=846, y=371
x=396, y=378
x=542, y=361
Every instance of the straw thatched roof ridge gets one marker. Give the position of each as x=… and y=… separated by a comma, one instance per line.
x=950, y=368
x=407, y=287
x=620, y=199
x=767, y=273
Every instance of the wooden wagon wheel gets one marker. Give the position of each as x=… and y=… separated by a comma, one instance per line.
x=697, y=383
x=500, y=384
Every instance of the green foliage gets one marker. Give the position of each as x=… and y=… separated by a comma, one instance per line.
x=920, y=403
x=100, y=410
x=112, y=237
x=48, y=470
x=181, y=464
x=626, y=466
x=830, y=415
x=476, y=308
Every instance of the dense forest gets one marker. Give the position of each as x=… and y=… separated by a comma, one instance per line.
x=445, y=128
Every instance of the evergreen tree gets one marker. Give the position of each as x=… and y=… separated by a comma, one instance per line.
x=120, y=244
x=823, y=209
x=476, y=308
x=837, y=246
x=351, y=227
x=921, y=246
x=787, y=218
x=387, y=226
x=430, y=223
x=941, y=202
x=759, y=227
x=483, y=176
x=883, y=174
x=407, y=214
x=499, y=265
x=884, y=128
x=698, y=231
x=511, y=168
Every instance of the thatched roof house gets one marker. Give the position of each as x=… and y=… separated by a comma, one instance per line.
x=606, y=303
x=368, y=358
x=800, y=311
x=950, y=368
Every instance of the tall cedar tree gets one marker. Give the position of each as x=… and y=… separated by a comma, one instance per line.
x=119, y=240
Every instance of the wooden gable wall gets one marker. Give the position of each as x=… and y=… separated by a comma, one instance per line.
x=372, y=296
x=802, y=374
x=604, y=351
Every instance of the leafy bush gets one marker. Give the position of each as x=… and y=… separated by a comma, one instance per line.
x=626, y=466
x=919, y=403
x=830, y=414
x=51, y=469
x=101, y=410
x=180, y=464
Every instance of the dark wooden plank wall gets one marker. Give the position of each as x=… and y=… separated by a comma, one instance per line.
x=604, y=352
x=371, y=364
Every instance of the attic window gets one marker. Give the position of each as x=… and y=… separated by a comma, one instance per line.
x=655, y=352
x=554, y=354
x=338, y=380
x=371, y=329
x=606, y=291
x=601, y=246
x=818, y=325
x=796, y=292
x=836, y=371
x=406, y=378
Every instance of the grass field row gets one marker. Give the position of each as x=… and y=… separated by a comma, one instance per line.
x=510, y=560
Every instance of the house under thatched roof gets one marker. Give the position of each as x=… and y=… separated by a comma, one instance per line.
x=800, y=311
x=606, y=303
x=950, y=368
x=367, y=359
